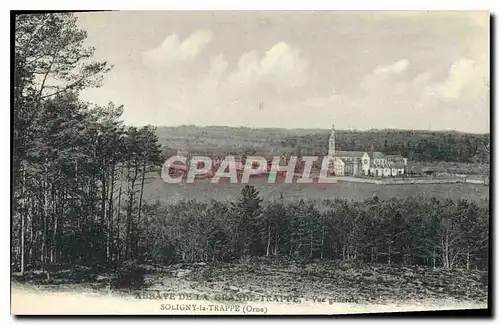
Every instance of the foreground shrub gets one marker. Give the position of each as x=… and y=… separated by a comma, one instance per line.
x=130, y=275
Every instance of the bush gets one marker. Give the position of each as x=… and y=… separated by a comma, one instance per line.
x=129, y=276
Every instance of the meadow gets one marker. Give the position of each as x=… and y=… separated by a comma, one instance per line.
x=158, y=190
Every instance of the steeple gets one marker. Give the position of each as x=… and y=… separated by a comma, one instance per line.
x=331, y=144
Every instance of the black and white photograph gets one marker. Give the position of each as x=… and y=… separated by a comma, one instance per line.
x=232, y=162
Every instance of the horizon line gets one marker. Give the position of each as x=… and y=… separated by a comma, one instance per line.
x=292, y=129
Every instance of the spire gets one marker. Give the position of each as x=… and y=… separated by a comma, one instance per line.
x=331, y=144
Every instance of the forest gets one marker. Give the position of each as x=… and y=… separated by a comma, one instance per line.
x=416, y=145
x=79, y=175
x=78, y=172
x=411, y=231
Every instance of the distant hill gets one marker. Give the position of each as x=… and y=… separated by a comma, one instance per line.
x=419, y=145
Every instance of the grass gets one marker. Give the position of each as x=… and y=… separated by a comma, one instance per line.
x=334, y=281
x=480, y=170
x=203, y=190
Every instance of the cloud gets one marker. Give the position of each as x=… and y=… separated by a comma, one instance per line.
x=281, y=67
x=247, y=70
x=393, y=69
x=388, y=93
x=422, y=79
x=265, y=76
x=234, y=94
x=392, y=97
x=209, y=84
x=256, y=77
x=382, y=75
x=171, y=50
x=465, y=79
x=284, y=66
x=218, y=67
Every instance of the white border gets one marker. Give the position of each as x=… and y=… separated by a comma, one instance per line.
x=189, y=5
x=256, y=5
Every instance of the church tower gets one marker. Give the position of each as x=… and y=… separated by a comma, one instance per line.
x=331, y=144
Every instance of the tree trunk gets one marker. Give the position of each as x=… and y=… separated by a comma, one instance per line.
x=322, y=241
x=434, y=257
x=311, y=245
x=104, y=220
x=130, y=205
x=45, y=222
x=389, y=255
x=23, y=212
x=447, y=252
x=268, y=239
x=54, y=240
x=32, y=238
x=468, y=258
x=140, y=206
x=110, y=234
x=118, y=221
x=276, y=240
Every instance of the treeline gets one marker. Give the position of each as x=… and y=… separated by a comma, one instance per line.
x=412, y=231
x=422, y=146
x=415, y=145
x=78, y=172
x=79, y=189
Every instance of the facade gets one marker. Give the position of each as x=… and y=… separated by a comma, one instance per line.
x=361, y=163
x=338, y=167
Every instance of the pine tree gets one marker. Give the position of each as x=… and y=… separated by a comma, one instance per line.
x=247, y=221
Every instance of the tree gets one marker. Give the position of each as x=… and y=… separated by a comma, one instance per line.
x=275, y=223
x=50, y=60
x=247, y=222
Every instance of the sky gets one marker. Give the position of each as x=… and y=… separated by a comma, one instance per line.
x=295, y=69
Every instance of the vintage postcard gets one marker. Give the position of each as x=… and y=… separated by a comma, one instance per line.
x=250, y=162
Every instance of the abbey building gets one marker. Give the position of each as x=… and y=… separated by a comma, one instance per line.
x=361, y=163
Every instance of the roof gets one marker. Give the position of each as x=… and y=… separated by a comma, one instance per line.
x=395, y=164
x=415, y=169
x=350, y=154
x=399, y=165
x=395, y=158
x=377, y=154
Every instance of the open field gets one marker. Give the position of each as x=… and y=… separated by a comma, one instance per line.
x=159, y=190
x=326, y=287
x=443, y=151
x=470, y=169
